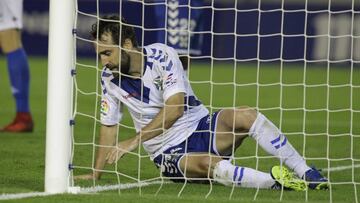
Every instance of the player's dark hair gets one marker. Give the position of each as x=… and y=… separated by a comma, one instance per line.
x=111, y=24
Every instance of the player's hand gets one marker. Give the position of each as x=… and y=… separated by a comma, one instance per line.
x=90, y=176
x=122, y=148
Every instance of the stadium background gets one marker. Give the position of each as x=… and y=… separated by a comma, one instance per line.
x=271, y=25
x=271, y=88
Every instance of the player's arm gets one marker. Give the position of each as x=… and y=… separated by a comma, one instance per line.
x=168, y=115
x=106, y=140
x=111, y=114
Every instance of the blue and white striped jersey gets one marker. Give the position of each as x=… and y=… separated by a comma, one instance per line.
x=144, y=97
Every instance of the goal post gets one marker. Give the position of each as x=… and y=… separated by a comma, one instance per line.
x=60, y=63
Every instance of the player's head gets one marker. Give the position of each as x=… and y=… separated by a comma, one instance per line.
x=111, y=24
x=106, y=32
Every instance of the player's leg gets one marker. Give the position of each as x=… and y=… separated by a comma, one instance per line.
x=205, y=166
x=197, y=159
x=222, y=171
x=232, y=123
x=18, y=67
x=232, y=128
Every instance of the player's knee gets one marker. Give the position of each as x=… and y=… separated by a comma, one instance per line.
x=10, y=40
x=245, y=116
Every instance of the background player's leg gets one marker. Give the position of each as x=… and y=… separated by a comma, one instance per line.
x=18, y=68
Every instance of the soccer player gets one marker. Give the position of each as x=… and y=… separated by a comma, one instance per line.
x=18, y=67
x=172, y=124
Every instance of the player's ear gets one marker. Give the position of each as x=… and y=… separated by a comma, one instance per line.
x=127, y=44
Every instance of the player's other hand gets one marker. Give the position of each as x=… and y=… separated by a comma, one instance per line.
x=90, y=176
x=121, y=149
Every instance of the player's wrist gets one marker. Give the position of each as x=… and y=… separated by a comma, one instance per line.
x=137, y=139
x=97, y=175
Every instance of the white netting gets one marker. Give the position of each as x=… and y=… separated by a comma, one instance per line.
x=296, y=62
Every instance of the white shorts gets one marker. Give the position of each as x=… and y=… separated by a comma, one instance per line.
x=11, y=14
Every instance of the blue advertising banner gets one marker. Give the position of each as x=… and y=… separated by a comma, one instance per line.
x=246, y=32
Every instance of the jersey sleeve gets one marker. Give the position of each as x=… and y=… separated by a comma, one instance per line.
x=173, y=74
x=111, y=110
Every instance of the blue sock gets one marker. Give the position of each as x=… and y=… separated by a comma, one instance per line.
x=18, y=68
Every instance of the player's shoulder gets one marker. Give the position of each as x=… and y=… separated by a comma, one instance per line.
x=158, y=46
x=156, y=49
x=160, y=56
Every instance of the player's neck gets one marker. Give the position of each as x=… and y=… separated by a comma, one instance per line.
x=136, y=63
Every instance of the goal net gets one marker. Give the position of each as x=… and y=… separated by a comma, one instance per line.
x=297, y=62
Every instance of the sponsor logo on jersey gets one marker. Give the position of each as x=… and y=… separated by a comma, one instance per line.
x=104, y=107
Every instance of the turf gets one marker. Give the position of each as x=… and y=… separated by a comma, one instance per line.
x=318, y=109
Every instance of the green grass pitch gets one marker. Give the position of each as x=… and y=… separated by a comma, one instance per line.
x=318, y=109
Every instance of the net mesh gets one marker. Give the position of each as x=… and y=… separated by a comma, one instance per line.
x=297, y=63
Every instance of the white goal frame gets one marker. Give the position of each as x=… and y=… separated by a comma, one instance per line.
x=58, y=126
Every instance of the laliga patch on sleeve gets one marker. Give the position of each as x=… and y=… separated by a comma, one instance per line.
x=104, y=107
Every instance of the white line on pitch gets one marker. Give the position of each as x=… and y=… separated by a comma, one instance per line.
x=23, y=195
x=81, y=190
x=129, y=186
x=341, y=168
x=101, y=188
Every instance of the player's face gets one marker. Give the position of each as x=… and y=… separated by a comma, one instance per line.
x=111, y=56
